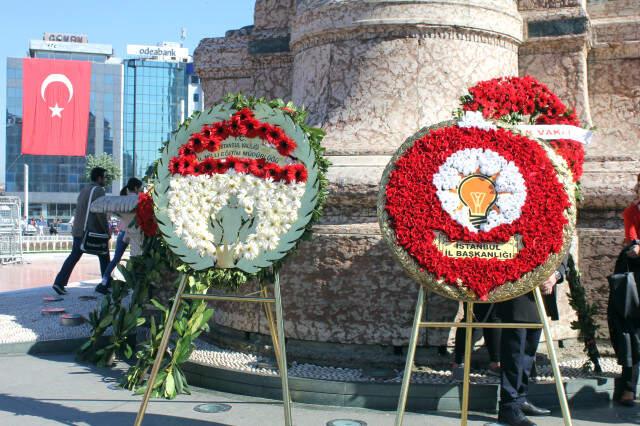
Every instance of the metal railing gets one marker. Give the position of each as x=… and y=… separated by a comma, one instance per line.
x=11, y=250
x=52, y=243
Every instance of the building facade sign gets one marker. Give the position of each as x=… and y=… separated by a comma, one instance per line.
x=63, y=46
x=70, y=38
x=164, y=53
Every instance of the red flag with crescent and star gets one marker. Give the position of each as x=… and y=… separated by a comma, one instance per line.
x=55, y=106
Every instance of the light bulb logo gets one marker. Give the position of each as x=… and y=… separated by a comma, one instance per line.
x=478, y=193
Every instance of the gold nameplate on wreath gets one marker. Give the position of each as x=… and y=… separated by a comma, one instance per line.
x=462, y=249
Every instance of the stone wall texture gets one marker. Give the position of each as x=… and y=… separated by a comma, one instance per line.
x=373, y=73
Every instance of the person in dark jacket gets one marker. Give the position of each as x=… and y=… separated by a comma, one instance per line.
x=623, y=316
x=518, y=351
x=96, y=222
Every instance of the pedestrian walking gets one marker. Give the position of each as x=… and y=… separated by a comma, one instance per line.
x=134, y=186
x=85, y=220
x=42, y=223
x=623, y=311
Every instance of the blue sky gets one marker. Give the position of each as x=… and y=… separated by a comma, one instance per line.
x=114, y=22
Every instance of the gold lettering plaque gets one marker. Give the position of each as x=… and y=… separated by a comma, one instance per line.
x=462, y=249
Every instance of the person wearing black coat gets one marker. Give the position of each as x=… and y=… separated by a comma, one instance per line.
x=518, y=350
x=623, y=317
x=623, y=309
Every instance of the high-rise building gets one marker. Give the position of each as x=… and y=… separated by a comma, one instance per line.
x=134, y=106
x=54, y=181
x=160, y=91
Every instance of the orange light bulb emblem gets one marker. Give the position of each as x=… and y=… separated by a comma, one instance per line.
x=478, y=193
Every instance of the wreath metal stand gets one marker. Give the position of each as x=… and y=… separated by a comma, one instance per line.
x=469, y=325
x=276, y=329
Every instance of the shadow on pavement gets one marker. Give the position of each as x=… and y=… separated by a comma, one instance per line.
x=473, y=417
x=614, y=414
x=22, y=406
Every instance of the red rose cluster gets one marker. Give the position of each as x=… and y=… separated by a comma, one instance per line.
x=145, y=217
x=189, y=165
x=242, y=123
x=416, y=213
x=527, y=96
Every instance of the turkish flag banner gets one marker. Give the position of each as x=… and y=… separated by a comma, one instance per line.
x=55, y=106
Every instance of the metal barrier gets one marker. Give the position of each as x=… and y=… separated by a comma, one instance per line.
x=11, y=250
x=52, y=243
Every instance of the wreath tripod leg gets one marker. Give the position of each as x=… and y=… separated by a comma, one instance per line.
x=271, y=322
x=282, y=362
x=168, y=328
x=411, y=351
x=468, y=349
x=557, y=376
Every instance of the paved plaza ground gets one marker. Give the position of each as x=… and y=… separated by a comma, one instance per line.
x=40, y=270
x=55, y=390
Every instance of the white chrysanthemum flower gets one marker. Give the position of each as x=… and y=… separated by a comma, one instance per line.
x=509, y=185
x=196, y=201
x=449, y=200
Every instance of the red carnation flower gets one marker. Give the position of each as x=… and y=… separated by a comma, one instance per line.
x=244, y=114
x=273, y=171
x=231, y=161
x=220, y=130
x=573, y=153
x=145, y=217
x=251, y=127
x=174, y=165
x=285, y=146
x=295, y=173
x=206, y=131
x=262, y=130
x=197, y=169
x=187, y=164
x=220, y=167
x=274, y=134
x=242, y=165
x=208, y=165
x=236, y=127
x=288, y=111
x=256, y=167
x=197, y=142
x=186, y=150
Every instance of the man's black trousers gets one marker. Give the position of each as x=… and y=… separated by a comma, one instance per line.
x=517, y=354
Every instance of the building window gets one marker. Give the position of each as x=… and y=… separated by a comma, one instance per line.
x=196, y=97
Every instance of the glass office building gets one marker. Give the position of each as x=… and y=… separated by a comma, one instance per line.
x=54, y=181
x=155, y=103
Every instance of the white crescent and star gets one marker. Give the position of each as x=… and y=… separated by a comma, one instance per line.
x=56, y=111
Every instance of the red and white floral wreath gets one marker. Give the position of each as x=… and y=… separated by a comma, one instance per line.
x=425, y=200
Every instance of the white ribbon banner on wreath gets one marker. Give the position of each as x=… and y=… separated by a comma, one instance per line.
x=540, y=131
x=556, y=131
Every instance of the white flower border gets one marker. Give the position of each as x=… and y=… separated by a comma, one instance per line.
x=509, y=183
x=194, y=201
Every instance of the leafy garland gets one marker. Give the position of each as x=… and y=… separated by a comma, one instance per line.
x=586, y=311
x=157, y=264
